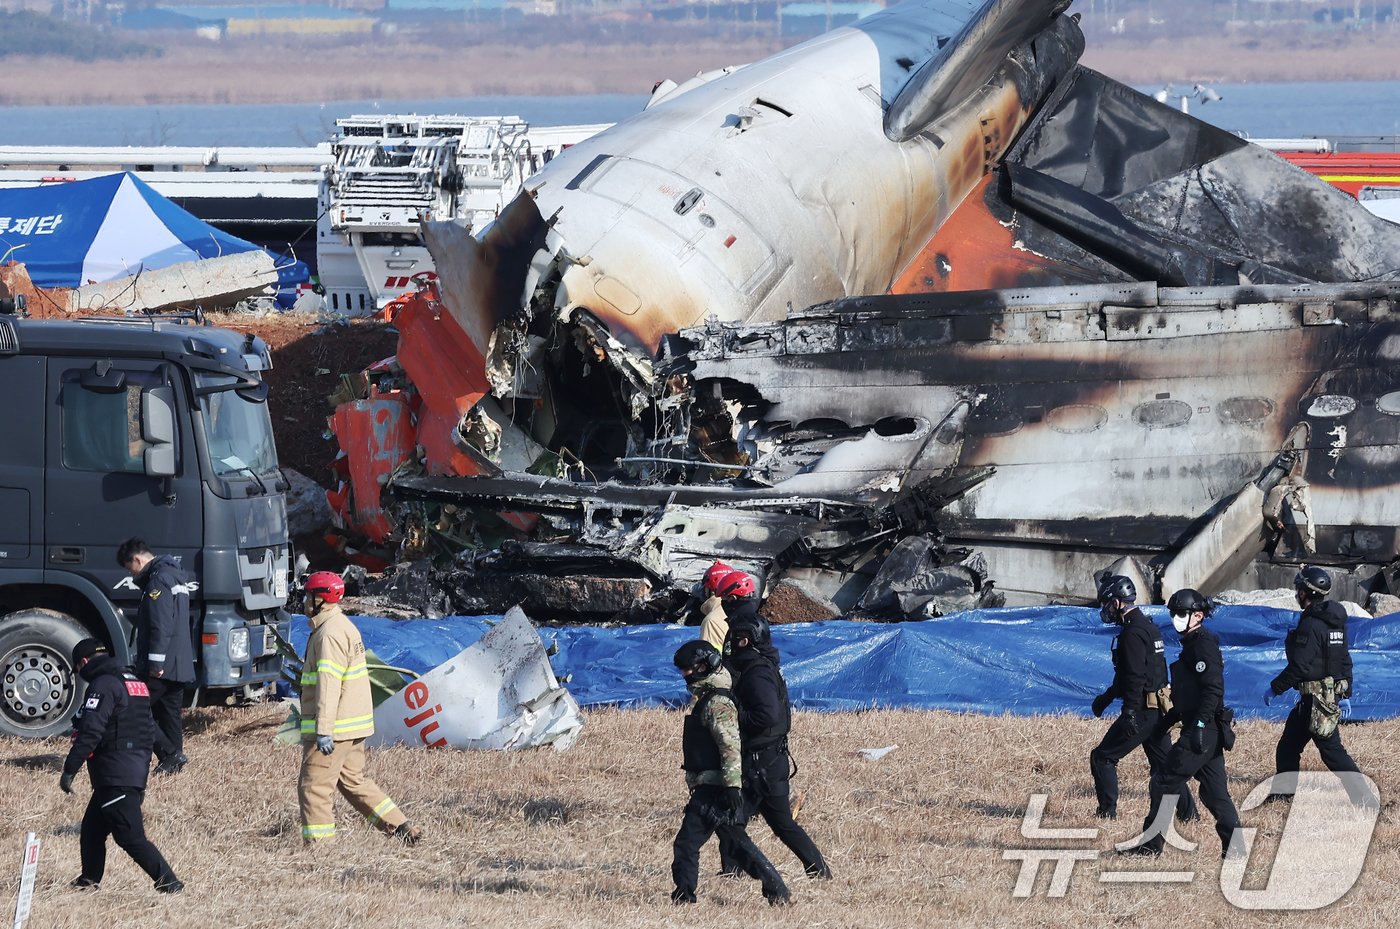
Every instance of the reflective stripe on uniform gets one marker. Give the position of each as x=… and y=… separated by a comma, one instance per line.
x=384, y=807
x=154, y=657
x=330, y=668
x=318, y=831
x=308, y=677
x=354, y=724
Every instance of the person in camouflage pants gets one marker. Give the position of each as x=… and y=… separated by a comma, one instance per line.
x=713, y=772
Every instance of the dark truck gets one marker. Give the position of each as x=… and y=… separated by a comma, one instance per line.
x=154, y=427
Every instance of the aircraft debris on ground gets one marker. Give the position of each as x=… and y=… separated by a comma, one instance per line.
x=917, y=316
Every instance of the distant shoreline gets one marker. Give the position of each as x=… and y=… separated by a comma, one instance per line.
x=322, y=73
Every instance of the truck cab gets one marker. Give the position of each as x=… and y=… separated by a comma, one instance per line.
x=154, y=427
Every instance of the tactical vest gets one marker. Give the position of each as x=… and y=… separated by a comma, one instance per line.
x=698, y=747
x=131, y=726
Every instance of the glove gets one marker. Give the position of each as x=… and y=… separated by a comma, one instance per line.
x=325, y=744
x=65, y=783
x=1195, y=737
x=1131, y=718
x=734, y=800
x=1101, y=703
x=1269, y=694
x=1344, y=705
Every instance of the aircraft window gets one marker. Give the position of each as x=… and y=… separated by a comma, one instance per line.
x=1389, y=403
x=1244, y=410
x=1331, y=405
x=687, y=202
x=1162, y=414
x=1075, y=418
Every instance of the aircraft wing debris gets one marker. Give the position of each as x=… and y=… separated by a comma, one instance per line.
x=499, y=693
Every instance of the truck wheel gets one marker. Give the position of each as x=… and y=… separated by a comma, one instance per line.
x=39, y=689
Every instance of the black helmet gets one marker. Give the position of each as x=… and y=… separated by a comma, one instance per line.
x=1187, y=600
x=1314, y=580
x=698, y=654
x=1117, y=587
x=750, y=626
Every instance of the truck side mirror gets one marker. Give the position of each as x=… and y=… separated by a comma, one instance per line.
x=256, y=394
x=158, y=430
x=102, y=378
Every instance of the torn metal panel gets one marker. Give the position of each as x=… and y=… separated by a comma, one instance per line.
x=499, y=693
x=1108, y=183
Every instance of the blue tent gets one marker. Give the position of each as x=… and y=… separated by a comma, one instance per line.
x=111, y=227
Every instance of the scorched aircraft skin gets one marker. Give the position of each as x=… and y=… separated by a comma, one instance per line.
x=659, y=353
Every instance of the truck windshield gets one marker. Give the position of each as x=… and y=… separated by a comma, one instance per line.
x=239, y=431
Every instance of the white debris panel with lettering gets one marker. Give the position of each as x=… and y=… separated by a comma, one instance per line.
x=498, y=693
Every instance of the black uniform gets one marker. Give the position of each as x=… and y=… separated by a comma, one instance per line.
x=1316, y=648
x=765, y=717
x=1139, y=668
x=1198, y=692
x=163, y=645
x=114, y=735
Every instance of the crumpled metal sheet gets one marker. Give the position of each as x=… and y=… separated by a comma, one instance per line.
x=498, y=693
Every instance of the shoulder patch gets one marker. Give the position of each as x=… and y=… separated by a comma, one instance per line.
x=154, y=594
x=92, y=702
x=1200, y=666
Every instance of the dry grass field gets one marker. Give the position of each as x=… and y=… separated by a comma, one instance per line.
x=582, y=838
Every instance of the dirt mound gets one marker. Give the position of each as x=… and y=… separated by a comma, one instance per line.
x=309, y=357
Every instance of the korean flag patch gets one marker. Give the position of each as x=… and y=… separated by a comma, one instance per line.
x=92, y=703
x=1200, y=666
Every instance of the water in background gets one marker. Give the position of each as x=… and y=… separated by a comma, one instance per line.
x=294, y=124
x=1258, y=110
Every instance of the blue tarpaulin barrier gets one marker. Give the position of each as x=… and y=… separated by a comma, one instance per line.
x=1028, y=660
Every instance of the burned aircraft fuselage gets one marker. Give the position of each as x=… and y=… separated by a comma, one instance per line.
x=654, y=384
x=1115, y=417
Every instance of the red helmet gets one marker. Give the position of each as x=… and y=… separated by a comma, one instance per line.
x=736, y=584
x=714, y=574
x=327, y=585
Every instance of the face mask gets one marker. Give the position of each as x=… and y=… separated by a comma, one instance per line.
x=1179, y=623
x=1108, y=614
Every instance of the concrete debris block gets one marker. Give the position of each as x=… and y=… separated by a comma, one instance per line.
x=1383, y=604
x=308, y=512
x=1281, y=598
x=225, y=279
x=499, y=693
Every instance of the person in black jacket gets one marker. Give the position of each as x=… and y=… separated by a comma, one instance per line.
x=113, y=736
x=765, y=717
x=1317, y=648
x=164, y=652
x=1198, y=691
x=1140, y=681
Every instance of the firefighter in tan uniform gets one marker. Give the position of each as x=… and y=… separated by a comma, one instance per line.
x=337, y=715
